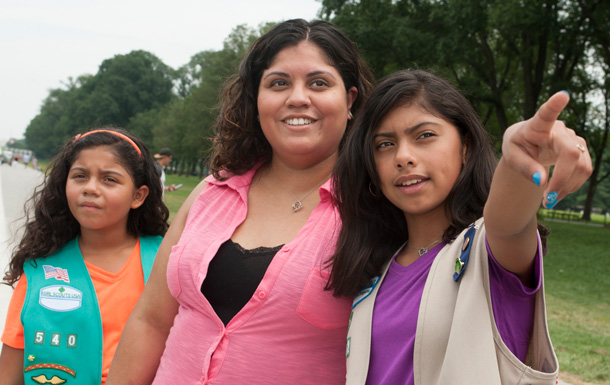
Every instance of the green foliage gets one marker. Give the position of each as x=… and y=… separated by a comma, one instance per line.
x=123, y=87
x=506, y=56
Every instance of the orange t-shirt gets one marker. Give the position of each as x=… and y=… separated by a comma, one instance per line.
x=117, y=294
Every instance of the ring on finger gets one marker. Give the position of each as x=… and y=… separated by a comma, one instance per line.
x=580, y=147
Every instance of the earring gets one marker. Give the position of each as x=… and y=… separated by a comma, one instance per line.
x=371, y=190
x=349, y=114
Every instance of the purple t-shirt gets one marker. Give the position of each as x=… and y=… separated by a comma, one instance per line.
x=397, y=307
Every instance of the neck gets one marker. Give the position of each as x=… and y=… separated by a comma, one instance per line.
x=425, y=229
x=300, y=178
x=101, y=240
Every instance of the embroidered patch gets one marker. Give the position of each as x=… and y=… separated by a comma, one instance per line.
x=56, y=272
x=71, y=343
x=51, y=366
x=39, y=337
x=42, y=379
x=55, y=339
x=60, y=298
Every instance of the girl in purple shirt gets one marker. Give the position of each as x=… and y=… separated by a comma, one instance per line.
x=427, y=171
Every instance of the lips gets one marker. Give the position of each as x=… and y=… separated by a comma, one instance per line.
x=411, y=184
x=409, y=180
x=90, y=205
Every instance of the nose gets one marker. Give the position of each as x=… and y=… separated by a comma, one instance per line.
x=299, y=96
x=91, y=187
x=404, y=156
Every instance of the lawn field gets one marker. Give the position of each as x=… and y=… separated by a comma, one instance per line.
x=174, y=199
x=577, y=282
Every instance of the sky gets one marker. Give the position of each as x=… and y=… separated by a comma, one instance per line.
x=45, y=42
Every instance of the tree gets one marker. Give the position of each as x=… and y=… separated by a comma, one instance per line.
x=47, y=132
x=506, y=56
x=186, y=124
x=123, y=87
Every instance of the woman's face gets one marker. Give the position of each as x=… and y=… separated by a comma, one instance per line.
x=303, y=106
x=418, y=157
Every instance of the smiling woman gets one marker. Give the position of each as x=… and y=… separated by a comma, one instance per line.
x=240, y=276
x=303, y=104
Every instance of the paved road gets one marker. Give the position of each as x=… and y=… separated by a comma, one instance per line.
x=16, y=186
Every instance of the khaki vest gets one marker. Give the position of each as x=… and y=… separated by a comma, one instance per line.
x=457, y=341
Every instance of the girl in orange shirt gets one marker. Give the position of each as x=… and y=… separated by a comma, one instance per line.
x=97, y=223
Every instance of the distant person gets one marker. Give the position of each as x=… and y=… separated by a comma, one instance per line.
x=26, y=160
x=439, y=245
x=83, y=260
x=164, y=157
x=240, y=274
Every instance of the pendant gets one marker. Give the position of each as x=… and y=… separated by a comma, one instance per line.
x=422, y=251
x=296, y=206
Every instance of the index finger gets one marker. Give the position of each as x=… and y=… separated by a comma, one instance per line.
x=548, y=113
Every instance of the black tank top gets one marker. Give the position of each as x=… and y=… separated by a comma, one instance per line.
x=233, y=276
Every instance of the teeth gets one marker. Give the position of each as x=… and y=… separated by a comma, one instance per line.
x=298, y=122
x=410, y=182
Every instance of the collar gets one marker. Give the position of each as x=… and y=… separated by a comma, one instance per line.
x=237, y=182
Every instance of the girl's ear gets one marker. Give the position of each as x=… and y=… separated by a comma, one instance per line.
x=139, y=197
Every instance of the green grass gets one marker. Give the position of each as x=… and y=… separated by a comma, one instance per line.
x=577, y=280
x=174, y=199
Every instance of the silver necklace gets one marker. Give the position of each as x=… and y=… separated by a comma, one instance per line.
x=423, y=250
x=297, y=204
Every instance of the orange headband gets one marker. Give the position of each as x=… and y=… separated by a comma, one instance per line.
x=79, y=136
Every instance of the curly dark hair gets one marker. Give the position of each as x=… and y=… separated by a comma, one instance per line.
x=238, y=142
x=52, y=224
x=373, y=228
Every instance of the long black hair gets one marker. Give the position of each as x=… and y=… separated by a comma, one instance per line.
x=52, y=224
x=372, y=227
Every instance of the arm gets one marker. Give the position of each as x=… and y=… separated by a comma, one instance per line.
x=11, y=366
x=529, y=148
x=143, y=340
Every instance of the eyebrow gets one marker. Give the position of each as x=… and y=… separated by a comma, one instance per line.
x=407, y=130
x=310, y=74
x=103, y=171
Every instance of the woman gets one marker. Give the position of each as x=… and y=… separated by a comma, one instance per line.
x=244, y=257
